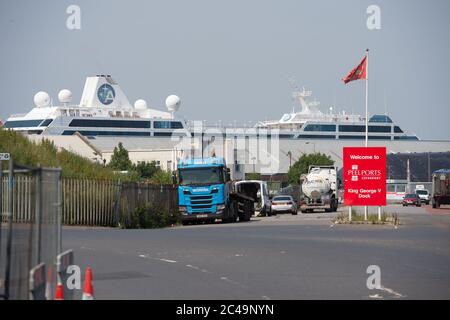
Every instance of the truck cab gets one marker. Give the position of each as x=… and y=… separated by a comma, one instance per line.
x=202, y=188
x=205, y=192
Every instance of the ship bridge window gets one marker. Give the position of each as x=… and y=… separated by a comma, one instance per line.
x=385, y=129
x=406, y=138
x=352, y=128
x=320, y=127
x=397, y=129
x=109, y=123
x=316, y=136
x=168, y=125
x=46, y=123
x=22, y=123
x=380, y=118
x=107, y=133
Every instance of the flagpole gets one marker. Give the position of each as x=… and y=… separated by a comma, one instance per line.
x=367, y=97
x=367, y=113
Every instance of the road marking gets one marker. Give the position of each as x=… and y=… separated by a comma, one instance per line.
x=197, y=268
x=167, y=260
x=159, y=259
x=375, y=296
x=87, y=248
x=265, y=298
x=396, y=294
x=233, y=282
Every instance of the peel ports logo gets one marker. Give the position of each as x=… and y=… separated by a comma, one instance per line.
x=106, y=94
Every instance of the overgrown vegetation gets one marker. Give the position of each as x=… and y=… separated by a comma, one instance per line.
x=151, y=216
x=358, y=218
x=45, y=154
x=301, y=166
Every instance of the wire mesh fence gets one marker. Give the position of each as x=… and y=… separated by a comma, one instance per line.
x=30, y=205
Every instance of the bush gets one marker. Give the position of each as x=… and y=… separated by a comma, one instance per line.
x=152, y=216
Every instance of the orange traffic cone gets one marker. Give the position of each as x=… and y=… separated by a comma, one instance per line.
x=88, y=291
x=59, y=293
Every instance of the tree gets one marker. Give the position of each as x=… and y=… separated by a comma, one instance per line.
x=147, y=170
x=301, y=166
x=162, y=177
x=120, y=159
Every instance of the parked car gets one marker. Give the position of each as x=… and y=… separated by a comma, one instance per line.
x=284, y=204
x=411, y=199
x=424, y=195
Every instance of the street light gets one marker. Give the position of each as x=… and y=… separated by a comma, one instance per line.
x=289, y=154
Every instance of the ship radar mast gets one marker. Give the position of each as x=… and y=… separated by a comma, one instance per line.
x=300, y=98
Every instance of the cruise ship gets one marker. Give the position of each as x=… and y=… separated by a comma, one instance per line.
x=311, y=123
x=105, y=116
x=104, y=110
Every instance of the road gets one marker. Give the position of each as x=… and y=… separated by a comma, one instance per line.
x=282, y=257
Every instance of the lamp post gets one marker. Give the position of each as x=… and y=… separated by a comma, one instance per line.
x=289, y=154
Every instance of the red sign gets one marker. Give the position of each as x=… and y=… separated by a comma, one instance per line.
x=364, y=176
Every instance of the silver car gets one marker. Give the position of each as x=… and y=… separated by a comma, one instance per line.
x=284, y=204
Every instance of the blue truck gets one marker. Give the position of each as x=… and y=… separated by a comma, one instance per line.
x=206, y=192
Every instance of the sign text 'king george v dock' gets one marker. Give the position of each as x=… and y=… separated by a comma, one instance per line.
x=364, y=176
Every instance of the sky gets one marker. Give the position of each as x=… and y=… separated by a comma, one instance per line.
x=231, y=60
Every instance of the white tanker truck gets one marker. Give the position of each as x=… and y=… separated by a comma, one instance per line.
x=319, y=189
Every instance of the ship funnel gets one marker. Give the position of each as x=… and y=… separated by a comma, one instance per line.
x=102, y=91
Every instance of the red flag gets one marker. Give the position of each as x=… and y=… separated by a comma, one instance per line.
x=357, y=73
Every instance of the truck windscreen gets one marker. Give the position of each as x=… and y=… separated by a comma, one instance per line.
x=200, y=176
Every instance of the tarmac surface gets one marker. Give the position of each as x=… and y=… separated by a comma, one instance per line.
x=280, y=257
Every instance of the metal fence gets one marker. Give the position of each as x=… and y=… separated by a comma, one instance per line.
x=134, y=195
x=90, y=202
x=30, y=205
x=108, y=203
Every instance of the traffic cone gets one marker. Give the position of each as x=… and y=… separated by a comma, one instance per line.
x=88, y=291
x=59, y=293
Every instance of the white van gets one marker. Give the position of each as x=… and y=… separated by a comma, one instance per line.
x=259, y=191
x=424, y=195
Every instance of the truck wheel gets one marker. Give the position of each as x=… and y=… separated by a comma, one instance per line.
x=335, y=205
x=248, y=210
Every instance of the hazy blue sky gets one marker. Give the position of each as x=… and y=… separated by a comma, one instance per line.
x=232, y=59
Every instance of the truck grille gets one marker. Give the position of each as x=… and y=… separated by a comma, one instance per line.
x=200, y=202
